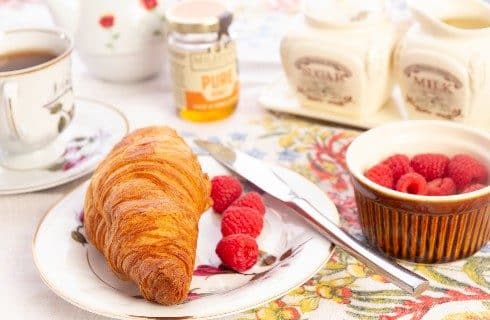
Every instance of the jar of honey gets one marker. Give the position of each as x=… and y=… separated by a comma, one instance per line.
x=203, y=60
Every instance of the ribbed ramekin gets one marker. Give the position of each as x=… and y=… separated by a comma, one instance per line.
x=420, y=228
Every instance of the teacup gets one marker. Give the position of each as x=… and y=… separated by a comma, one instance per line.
x=37, y=102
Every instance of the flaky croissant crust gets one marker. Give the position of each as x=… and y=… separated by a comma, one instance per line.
x=142, y=210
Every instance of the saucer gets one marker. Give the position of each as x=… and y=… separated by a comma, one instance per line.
x=93, y=132
x=291, y=253
x=280, y=98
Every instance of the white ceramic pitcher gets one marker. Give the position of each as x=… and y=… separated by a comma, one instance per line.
x=443, y=62
x=118, y=40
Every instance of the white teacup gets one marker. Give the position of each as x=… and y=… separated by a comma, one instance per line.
x=36, y=102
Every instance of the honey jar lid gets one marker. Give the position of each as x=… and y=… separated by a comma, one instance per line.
x=199, y=16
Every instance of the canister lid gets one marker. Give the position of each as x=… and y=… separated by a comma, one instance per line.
x=344, y=13
x=199, y=16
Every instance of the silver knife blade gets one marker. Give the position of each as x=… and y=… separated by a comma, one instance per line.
x=264, y=177
x=250, y=168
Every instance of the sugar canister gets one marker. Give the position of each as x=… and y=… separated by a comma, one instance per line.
x=337, y=56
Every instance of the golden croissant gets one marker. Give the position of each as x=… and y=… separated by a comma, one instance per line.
x=142, y=210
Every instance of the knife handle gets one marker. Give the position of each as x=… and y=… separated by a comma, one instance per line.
x=398, y=275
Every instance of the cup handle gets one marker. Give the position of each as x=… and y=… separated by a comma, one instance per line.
x=9, y=94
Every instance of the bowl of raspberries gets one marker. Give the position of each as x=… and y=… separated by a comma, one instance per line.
x=422, y=189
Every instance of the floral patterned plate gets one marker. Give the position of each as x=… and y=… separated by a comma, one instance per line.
x=291, y=253
x=94, y=130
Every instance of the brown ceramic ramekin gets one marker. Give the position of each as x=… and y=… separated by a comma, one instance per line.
x=424, y=229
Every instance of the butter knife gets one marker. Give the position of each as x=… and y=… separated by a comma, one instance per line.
x=264, y=177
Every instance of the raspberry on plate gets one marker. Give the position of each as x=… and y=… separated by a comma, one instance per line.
x=224, y=190
x=252, y=200
x=430, y=165
x=399, y=165
x=413, y=183
x=382, y=175
x=441, y=187
x=241, y=220
x=466, y=170
x=473, y=187
x=238, y=252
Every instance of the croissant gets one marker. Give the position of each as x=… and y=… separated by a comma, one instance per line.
x=142, y=210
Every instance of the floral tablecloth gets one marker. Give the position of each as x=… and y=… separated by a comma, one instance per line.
x=344, y=288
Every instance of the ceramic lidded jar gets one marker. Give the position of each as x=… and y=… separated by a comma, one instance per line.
x=443, y=62
x=337, y=57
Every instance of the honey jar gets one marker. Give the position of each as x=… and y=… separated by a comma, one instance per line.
x=203, y=60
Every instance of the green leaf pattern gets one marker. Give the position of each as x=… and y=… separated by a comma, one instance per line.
x=476, y=268
x=62, y=124
x=64, y=116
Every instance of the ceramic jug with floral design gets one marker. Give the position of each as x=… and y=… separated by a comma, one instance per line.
x=118, y=40
x=337, y=57
x=443, y=62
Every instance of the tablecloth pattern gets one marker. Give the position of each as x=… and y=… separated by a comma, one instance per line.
x=345, y=288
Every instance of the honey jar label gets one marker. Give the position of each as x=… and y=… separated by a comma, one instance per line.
x=434, y=91
x=205, y=80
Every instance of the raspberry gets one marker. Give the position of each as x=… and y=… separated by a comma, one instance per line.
x=466, y=170
x=441, y=187
x=238, y=252
x=241, y=220
x=430, y=165
x=382, y=175
x=399, y=165
x=473, y=187
x=413, y=183
x=224, y=190
x=252, y=200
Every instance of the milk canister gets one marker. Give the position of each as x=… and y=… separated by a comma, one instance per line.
x=443, y=62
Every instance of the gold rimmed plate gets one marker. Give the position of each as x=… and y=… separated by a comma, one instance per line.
x=291, y=253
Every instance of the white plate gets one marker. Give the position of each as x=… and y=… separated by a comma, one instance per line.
x=95, y=129
x=279, y=97
x=79, y=274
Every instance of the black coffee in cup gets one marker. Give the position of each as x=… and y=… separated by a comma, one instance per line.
x=18, y=60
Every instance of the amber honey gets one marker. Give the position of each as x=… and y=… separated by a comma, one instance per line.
x=205, y=116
